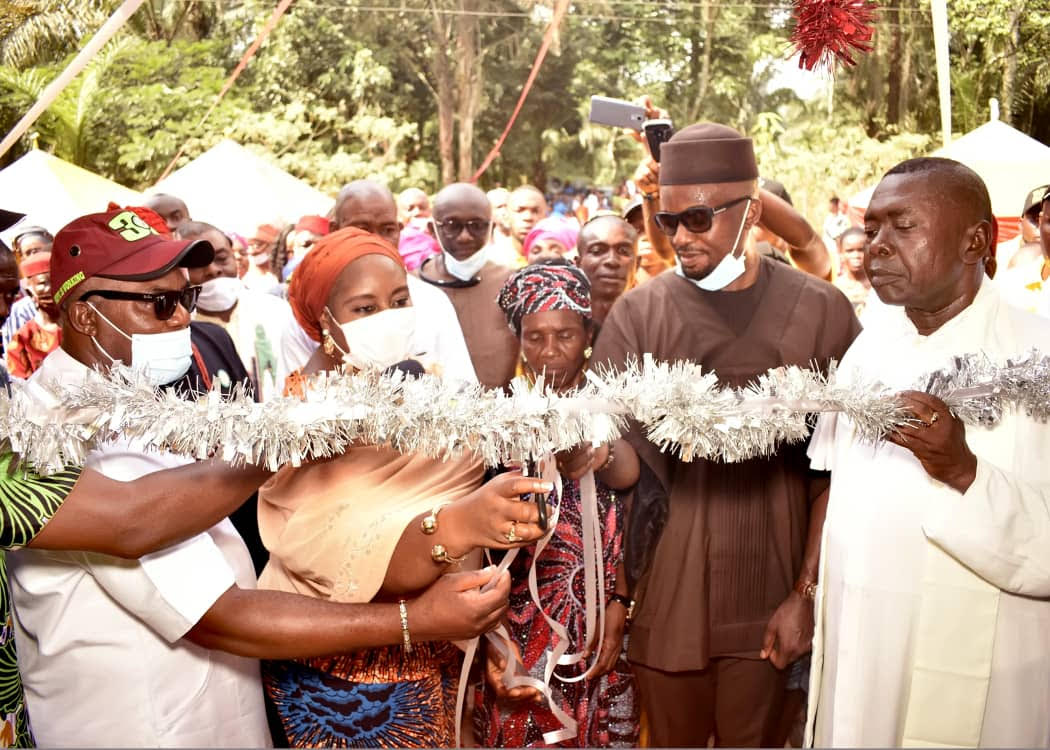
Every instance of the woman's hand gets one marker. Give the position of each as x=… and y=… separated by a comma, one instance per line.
x=456, y=607
x=575, y=462
x=494, y=515
x=495, y=666
x=612, y=643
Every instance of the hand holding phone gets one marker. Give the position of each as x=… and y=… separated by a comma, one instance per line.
x=657, y=132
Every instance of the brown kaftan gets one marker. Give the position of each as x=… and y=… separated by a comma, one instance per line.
x=492, y=345
x=735, y=533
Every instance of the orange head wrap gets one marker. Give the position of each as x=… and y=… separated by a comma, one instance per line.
x=312, y=283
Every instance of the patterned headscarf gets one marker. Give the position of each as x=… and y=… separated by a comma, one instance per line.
x=554, y=285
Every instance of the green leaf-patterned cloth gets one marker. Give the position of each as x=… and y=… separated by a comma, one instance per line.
x=27, y=503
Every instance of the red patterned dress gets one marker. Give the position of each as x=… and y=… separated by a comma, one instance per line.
x=605, y=708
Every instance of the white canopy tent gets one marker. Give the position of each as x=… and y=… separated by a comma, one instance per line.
x=237, y=190
x=52, y=192
x=1010, y=163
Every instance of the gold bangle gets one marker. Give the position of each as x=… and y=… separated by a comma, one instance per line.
x=429, y=524
x=440, y=555
x=406, y=639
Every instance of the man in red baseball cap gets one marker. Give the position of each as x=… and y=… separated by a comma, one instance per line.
x=124, y=293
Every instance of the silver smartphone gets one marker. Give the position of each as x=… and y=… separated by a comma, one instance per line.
x=616, y=113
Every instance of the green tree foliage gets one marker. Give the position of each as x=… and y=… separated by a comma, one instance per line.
x=417, y=95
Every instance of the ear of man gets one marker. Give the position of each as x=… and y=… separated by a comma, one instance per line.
x=82, y=318
x=754, y=210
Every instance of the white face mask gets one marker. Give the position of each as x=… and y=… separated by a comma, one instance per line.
x=378, y=341
x=728, y=270
x=162, y=357
x=464, y=270
x=259, y=259
x=220, y=294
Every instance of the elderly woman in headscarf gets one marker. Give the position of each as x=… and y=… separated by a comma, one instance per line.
x=373, y=524
x=553, y=237
x=549, y=309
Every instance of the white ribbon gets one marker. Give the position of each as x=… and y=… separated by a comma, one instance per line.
x=515, y=674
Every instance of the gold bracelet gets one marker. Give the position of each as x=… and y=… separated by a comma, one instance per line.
x=429, y=524
x=406, y=639
x=440, y=555
x=608, y=460
x=807, y=590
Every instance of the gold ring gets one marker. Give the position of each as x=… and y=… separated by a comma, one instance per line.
x=512, y=535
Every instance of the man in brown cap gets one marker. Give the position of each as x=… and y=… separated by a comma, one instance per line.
x=725, y=594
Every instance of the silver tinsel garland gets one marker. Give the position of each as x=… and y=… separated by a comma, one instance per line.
x=680, y=407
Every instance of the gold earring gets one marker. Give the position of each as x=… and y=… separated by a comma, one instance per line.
x=587, y=352
x=329, y=344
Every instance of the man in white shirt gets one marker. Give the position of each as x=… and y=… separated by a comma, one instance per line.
x=933, y=605
x=162, y=651
x=370, y=206
x=253, y=319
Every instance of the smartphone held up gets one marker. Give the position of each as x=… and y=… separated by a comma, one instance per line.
x=618, y=113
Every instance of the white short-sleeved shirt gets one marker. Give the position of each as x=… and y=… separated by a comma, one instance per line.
x=100, y=639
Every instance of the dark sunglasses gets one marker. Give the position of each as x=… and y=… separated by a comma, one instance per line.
x=697, y=219
x=164, y=303
x=453, y=227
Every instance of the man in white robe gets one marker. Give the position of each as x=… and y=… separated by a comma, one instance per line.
x=933, y=607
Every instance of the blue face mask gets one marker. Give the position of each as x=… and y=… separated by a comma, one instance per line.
x=162, y=357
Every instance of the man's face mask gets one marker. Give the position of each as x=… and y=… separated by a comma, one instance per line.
x=220, y=294
x=162, y=357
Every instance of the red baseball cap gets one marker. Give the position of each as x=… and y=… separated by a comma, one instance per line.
x=316, y=224
x=118, y=244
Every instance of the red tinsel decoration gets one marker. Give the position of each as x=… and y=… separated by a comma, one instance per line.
x=826, y=30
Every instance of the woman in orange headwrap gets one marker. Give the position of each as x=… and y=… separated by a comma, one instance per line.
x=373, y=523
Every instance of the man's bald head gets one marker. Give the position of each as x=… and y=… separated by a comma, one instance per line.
x=412, y=203
x=370, y=206
x=602, y=225
x=170, y=208
x=461, y=196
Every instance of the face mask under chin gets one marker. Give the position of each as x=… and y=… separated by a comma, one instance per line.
x=464, y=270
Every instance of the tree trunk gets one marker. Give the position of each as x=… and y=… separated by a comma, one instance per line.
x=708, y=17
x=469, y=82
x=1009, y=85
x=893, y=73
x=696, y=42
x=444, y=93
x=904, y=100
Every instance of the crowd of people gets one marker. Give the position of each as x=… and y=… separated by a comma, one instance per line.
x=839, y=592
